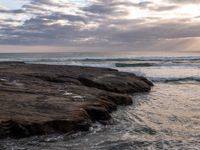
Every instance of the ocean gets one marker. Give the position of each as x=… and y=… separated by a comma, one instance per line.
x=166, y=118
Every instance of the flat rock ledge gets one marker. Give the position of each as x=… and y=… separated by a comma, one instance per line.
x=40, y=99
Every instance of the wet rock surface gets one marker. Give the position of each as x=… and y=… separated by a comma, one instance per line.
x=43, y=99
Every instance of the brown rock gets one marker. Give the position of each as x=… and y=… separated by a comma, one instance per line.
x=45, y=99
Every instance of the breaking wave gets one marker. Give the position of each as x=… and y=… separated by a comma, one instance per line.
x=135, y=64
x=165, y=80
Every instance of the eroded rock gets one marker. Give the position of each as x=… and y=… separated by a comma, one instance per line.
x=43, y=99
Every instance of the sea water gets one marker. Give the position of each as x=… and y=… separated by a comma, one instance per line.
x=166, y=118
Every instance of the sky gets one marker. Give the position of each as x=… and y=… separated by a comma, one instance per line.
x=99, y=25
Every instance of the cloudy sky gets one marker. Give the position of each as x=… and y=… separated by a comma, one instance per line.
x=99, y=25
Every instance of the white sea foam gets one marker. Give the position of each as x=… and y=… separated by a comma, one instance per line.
x=68, y=93
x=2, y=79
x=78, y=97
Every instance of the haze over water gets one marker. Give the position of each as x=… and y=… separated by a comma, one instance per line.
x=166, y=118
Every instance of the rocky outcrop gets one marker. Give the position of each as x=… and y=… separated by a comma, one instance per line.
x=43, y=99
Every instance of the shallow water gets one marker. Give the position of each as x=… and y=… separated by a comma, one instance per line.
x=166, y=118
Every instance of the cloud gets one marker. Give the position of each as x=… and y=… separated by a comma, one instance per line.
x=185, y=1
x=99, y=24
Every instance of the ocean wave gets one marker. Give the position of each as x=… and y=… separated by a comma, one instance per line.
x=174, y=59
x=135, y=64
x=174, y=79
x=102, y=59
x=159, y=64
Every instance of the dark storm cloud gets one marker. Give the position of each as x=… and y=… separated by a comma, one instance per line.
x=164, y=8
x=19, y=11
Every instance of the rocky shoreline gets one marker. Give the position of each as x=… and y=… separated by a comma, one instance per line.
x=40, y=99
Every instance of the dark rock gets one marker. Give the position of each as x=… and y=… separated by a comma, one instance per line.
x=45, y=99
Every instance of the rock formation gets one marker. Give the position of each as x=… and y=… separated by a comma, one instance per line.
x=40, y=99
